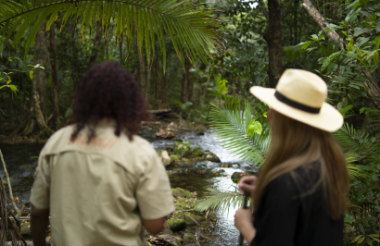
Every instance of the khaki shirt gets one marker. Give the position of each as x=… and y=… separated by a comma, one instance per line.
x=98, y=192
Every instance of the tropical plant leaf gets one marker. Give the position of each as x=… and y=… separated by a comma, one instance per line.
x=230, y=124
x=223, y=199
x=190, y=26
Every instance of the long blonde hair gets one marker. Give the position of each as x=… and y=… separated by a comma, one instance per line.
x=295, y=144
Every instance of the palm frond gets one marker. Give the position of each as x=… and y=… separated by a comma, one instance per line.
x=354, y=173
x=230, y=123
x=191, y=27
x=223, y=199
x=350, y=139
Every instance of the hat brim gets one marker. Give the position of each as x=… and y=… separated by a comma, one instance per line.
x=329, y=119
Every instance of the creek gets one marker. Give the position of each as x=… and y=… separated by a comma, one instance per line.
x=21, y=160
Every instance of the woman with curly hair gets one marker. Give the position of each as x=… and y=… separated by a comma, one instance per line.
x=301, y=195
x=100, y=182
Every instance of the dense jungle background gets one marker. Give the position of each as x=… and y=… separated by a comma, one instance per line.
x=256, y=41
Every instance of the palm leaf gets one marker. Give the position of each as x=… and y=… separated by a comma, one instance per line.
x=223, y=199
x=230, y=123
x=350, y=139
x=354, y=173
x=191, y=28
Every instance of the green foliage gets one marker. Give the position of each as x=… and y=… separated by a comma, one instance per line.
x=8, y=82
x=225, y=200
x=231, y=123
x=190, y=27
x=220, y=89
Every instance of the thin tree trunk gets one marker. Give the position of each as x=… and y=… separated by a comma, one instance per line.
x=273, y=38
x=184, y=84
x=295, y=22
x=142, y=67
x=190, y=87
x=54, y=72
x=162, y=84
x=321, y=21
x=148, y=75
x=11, y=113
x=41, y=56
x=204, y=90
x=121, y=52
x=96, y=47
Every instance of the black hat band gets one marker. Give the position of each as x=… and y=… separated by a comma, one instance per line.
x=295, y=104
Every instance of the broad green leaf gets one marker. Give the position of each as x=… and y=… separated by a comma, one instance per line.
x=376, y=58
x=254, y=127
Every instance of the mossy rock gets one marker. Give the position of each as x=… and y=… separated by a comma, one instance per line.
x=185, y=203
x=177, y=222
x=179, y=192
x=25, y=229
x=188, y=237
x=185, y=161
x=177, y=140
x=193, y=220
x=212, y=157
x=183, y=150
x=198, y=153
x=172, y=239
x=236, y=176
x=220, y=172
x=169, y=149
x=225, y=165
x=174, y=158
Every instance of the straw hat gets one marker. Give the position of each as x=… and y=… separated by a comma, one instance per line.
x=301, y=95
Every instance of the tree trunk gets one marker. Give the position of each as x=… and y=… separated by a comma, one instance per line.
x=148, y=75
x=121, y=52
x=190, y=88
x=184, y=85
x=36, y=117
x=321, y=21
x=273, y=38
x=54, y=73
x=11, y=114
x=162, y=85
x=43, y=60
x=295, y=22
x=142, y=68
x=96, y=47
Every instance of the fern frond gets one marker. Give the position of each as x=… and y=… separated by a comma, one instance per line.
x=351, y=140
x=191, y=28
x=220, y=199
x=354, y=173
x=230, y=124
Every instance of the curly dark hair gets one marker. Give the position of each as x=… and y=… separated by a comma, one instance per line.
x=109, y=91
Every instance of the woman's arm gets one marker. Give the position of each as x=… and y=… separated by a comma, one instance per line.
x=243, y=222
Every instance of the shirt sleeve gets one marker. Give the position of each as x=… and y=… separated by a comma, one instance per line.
x=41, y=186
x=154, y=197
x=278, y=214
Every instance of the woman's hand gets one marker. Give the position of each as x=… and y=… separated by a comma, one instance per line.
x=243, y=222
x=247, y=185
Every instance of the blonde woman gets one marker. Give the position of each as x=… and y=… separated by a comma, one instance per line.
x=301, y=194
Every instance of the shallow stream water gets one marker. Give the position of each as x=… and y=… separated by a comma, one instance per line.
x=21, y=161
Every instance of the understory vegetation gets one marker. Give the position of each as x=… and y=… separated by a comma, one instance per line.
x=199, y=58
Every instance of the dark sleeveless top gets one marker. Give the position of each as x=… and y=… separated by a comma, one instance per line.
x=290, y=214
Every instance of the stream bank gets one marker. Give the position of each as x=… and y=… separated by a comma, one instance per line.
x=194, y=177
